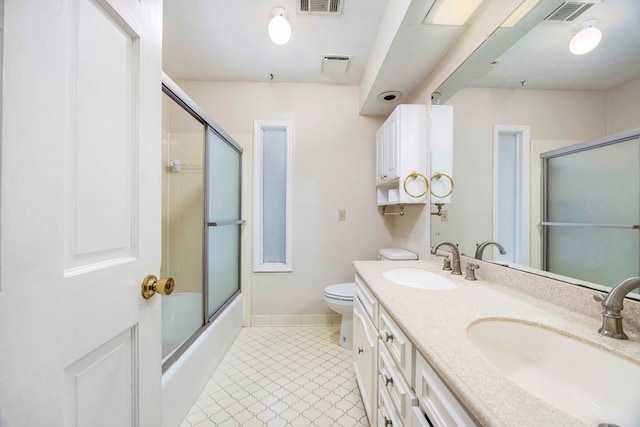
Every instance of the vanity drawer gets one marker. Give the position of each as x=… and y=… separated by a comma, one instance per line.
x=396, y=342
x=418, y=418
x=396, y=386
x=387, y=416
x=366, y=298
x=435, y=398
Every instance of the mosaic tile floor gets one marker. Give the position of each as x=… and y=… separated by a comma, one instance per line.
x=282, y=376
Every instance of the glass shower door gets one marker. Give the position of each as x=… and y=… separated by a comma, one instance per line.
x=201, y=222
x=182, y=216
x=592, y=212
x=223, y=221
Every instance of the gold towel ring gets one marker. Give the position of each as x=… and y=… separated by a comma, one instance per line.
x=439, y=175
x=414, y=175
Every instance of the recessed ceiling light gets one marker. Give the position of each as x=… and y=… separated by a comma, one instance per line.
x=390, y=96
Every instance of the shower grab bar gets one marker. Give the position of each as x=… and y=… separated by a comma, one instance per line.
x=227, y=222
x=587, y=225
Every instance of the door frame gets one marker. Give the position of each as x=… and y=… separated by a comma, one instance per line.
x=522, y=135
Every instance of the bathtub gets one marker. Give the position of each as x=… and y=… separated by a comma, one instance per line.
x=185, y=379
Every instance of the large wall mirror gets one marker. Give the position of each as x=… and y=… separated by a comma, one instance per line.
x=523, y=93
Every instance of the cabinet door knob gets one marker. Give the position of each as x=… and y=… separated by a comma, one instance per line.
x=387, y=336
x=387, y=422
x=387, y=381
x=360, y=350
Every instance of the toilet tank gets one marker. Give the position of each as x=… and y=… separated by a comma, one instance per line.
x=396, y=254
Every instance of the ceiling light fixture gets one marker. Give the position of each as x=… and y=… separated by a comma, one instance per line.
x=390, y=96
x=279, y=27
x=586, y=38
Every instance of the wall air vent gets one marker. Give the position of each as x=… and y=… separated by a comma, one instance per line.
x=569, y=11
x=318, y=7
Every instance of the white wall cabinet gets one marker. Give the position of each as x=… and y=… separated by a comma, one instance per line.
x=399, y=387
x=401, y=149
x=387, y=147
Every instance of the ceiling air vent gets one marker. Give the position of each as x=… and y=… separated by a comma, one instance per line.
x=568, y=11
x=335, y=63
x=333, y=7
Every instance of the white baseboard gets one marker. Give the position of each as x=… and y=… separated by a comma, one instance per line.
x=295, y=319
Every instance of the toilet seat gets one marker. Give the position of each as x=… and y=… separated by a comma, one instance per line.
x=341, y=291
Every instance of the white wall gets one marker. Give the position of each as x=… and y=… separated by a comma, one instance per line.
x=411, y=231
x=334, y=168
x=623, y=103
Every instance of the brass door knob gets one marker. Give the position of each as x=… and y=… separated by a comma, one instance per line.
x=151, y=285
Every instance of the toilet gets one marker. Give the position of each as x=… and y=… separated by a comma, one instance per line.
x=339, y=297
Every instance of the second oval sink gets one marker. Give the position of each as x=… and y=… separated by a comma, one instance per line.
x=582, y=380
x=418, y=278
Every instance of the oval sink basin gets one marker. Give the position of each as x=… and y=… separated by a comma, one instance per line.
x=580, y=379
x=418, y=278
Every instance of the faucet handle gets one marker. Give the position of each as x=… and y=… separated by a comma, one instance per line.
x=599, y=297
x=471, y=271
x=446, y=263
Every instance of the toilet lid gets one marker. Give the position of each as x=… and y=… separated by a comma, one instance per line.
x=341, y=291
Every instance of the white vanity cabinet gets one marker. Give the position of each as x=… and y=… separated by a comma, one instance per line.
x=399, y=387
x=395, y=355
x=365, y=347
x=401, y=149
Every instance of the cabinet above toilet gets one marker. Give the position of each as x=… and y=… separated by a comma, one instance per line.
x=401, y=156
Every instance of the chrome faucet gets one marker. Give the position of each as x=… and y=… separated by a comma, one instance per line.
x=455, y=254
x=481, y=246
x=612, y=305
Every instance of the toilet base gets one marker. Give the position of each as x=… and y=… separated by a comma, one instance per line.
x=346, y=332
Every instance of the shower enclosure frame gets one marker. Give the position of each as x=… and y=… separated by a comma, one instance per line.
x=546, y=225
x=177, y=95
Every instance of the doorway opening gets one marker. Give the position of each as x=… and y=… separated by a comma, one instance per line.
x=511, y=189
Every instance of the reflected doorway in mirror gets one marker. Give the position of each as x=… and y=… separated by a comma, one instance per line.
x=511, y=177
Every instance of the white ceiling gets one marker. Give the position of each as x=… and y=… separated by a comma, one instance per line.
x=226, y=40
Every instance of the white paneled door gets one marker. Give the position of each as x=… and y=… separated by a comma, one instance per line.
x=80, y=213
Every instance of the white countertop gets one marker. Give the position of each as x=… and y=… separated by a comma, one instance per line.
x=437, y=321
